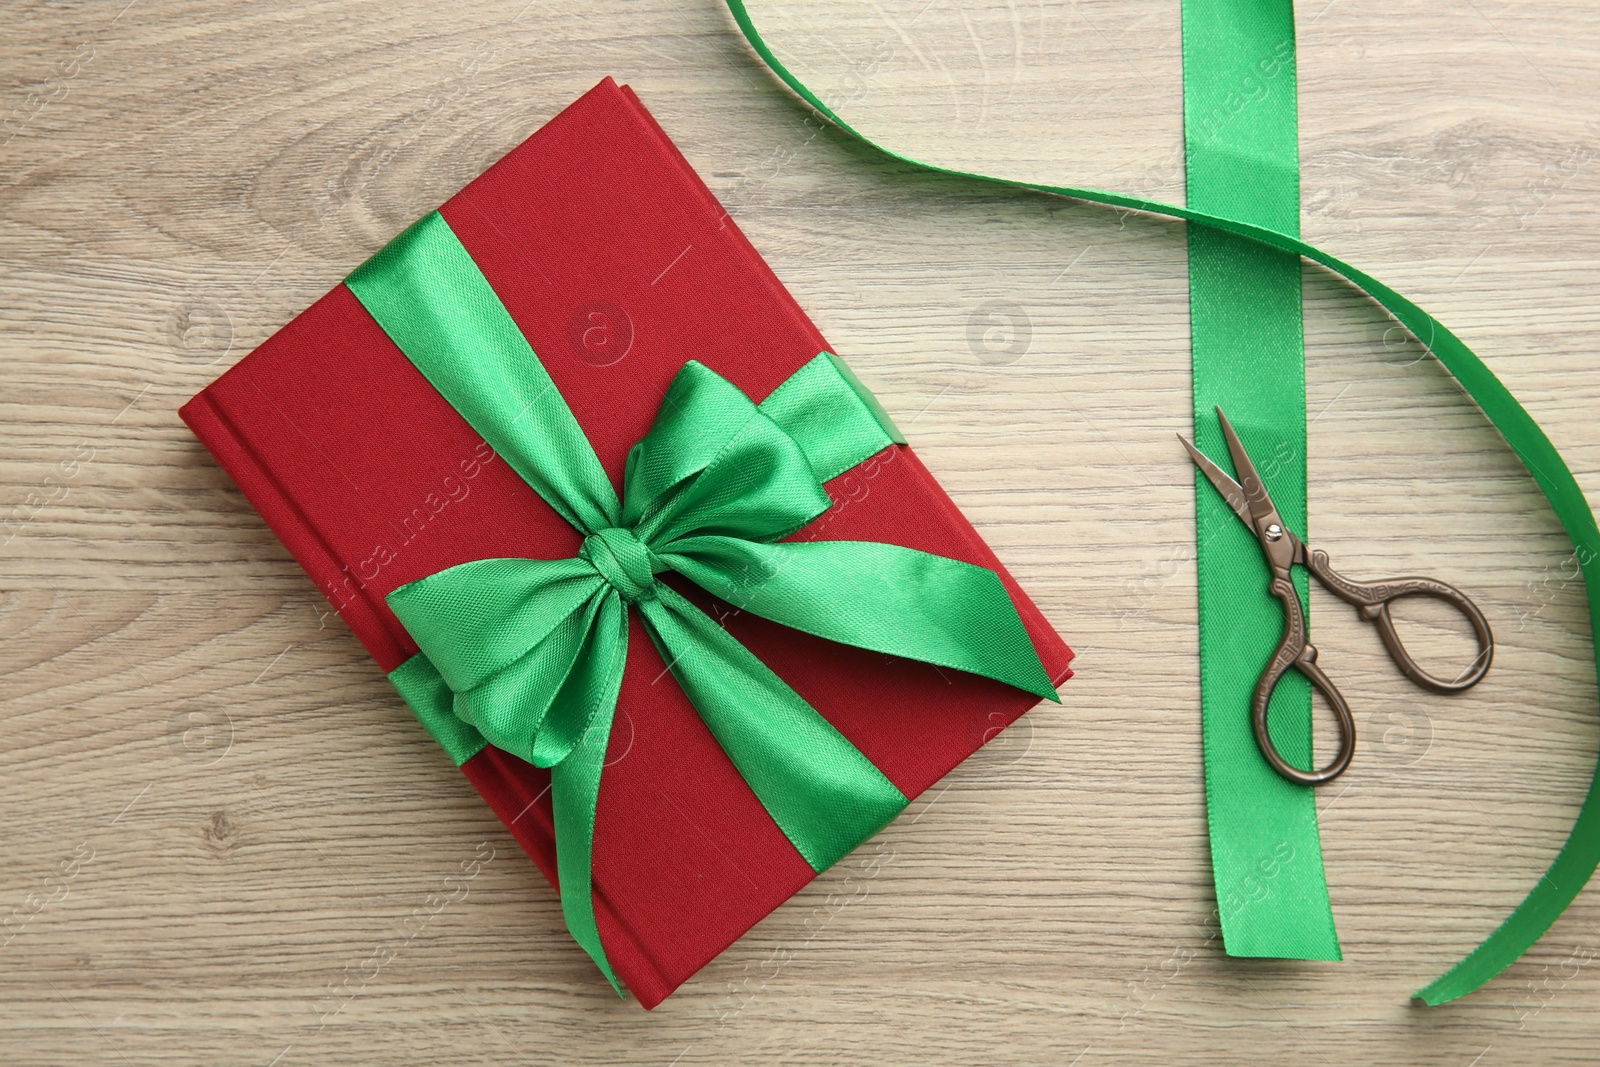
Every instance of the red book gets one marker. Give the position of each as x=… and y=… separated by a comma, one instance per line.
x=618, y=265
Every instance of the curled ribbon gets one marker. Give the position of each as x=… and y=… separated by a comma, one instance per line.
x=528, y=654
x=1580, y=854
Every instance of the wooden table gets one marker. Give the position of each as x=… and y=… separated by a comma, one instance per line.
x=217, y=819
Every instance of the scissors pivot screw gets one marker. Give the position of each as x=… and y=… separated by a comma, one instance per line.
x=1274, y=532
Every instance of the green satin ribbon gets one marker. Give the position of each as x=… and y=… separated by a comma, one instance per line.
x=1241, y=136
x=528, y=654
x=1580, y=853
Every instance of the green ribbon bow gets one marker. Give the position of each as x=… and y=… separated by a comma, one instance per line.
x=528, y=654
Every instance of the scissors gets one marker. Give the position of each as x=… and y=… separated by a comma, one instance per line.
x=1250, y=501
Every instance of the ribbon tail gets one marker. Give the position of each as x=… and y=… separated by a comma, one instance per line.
x=575, y=781
x=821, y=791
x=883, y=597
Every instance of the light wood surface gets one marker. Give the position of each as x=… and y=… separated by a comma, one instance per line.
x=218, y=822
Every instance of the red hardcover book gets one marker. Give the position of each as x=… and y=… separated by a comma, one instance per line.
x=618, y=265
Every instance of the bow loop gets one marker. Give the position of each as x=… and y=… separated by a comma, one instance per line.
x=714, y=463
x=475, y=619
x=527, y=647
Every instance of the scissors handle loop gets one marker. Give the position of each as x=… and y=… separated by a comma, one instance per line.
x=1294, y=651
x=1372, y=600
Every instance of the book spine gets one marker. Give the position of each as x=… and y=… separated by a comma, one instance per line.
x=209, y=422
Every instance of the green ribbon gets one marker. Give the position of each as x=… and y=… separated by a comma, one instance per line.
x=1580, y=854
x=1241, y=137
x=528, y=654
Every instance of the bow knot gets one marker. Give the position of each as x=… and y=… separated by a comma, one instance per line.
x=624, y=561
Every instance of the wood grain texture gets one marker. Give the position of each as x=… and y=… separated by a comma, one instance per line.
x=222, y=835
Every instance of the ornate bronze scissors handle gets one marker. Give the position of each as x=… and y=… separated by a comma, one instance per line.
x=1372, y=600
x=1296, y=652
x=1249, y=500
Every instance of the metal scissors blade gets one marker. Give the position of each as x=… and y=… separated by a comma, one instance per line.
x=1239, y=499
x=1230, y=489
x=1263, y=512
x=1249, y=499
